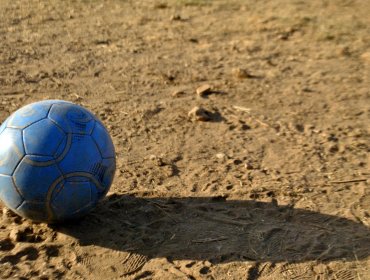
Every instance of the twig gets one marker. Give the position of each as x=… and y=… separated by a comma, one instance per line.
x=261, y=122
x=223, y=220
x=320, y=227
x=116, y=200
x=324, y=253
x=161, y=207
x=206, y=240
x=243, y=109
x=292, y=172
x=12, y=92
x=357, y=265
x=128, y=149
x=248, y=110
x=348, y=181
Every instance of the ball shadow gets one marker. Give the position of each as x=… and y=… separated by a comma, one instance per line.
x=220, y=230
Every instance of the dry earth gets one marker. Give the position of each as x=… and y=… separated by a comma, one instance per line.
x=269, y=181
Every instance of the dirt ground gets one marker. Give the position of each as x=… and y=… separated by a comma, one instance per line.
x=269, y=181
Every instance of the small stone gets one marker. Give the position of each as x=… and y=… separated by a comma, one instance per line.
x=157, y=160
x=229, y=187
x=249, y=166
x=175, y=18
x=9, y=216
x=204, y=90
x=160, y=6
x=237, y=161
x=169, y=170
x=245, y=127
x=333, y=148
x=160, y=162
x=220, y=156
x=344, y=51
x=204, y=270
x=16, y=235
x=299, y=127
x=241, y=73
x=7, y=213
x=307, y=89
x=366, y=56
x=177, y=93
x=6, y=244
x=199, y=114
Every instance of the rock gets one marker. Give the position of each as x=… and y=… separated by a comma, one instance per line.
x=10, y=217
x=366, y=57
x=199, y=114
x=175, y=18
x=237, y=161
x=299, y=127
x=204, y=90
x=6, y=244
x=242, y=73
x=16, y=235
x=157, y=160
x=344, y=51
x=76, y=97
x=7, y=213
x=25, y=233
x=333, y=148
x=245, y=127
x=220, y=156
x=177, y=93
x=160, y=6
x=169, y=170
x=249, y=166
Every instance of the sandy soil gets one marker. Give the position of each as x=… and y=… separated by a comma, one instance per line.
x=269, y=181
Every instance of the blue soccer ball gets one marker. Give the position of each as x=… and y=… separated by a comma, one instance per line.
x=57, y=161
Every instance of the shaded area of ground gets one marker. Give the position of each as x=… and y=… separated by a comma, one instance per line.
x=220, y=230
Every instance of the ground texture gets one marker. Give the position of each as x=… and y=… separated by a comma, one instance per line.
x=267, y=179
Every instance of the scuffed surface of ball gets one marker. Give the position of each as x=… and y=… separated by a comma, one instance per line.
x=57, y=160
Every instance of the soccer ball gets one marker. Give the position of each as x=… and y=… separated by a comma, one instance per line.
x=57, y=161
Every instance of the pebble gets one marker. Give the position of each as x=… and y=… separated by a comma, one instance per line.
x=366, y=56
x=177, y=93
x=76, y=97
x=333, y=148
x=199, y=114
x=157, y=160
x=241, y=73
x=160, y=6
x=175, y=18
x=249, y=166
x=16, y=235
x=9, y=216
x=344, y=51
x=204, y=90
x=7, y=213
x=220, y=156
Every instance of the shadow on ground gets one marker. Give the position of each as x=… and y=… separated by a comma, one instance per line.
x=220, y=230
